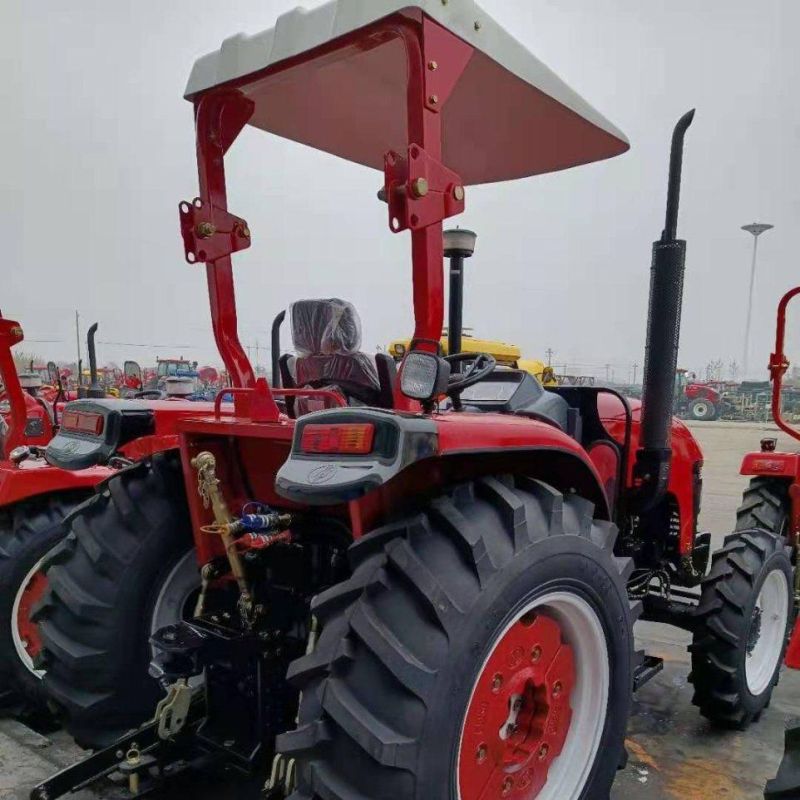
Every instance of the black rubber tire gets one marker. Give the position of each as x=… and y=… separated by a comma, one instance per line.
x=765, y=505
x=384, y=693
x=725, y=616
x=103, y=582
x=28, y=531
x=786, y=784
x=707, y=415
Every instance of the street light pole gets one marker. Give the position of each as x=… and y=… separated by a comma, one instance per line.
x=756, y=229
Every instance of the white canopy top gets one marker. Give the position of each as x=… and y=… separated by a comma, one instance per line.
x=509, y=117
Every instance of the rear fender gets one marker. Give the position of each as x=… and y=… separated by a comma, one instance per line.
x=31, y=478
x=416, y=456
x=771, y=465
x=421, y=482
x=782, y=468
x=793, y=651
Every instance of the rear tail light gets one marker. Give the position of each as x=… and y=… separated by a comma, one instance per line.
x=83, y=422
x=343, y=439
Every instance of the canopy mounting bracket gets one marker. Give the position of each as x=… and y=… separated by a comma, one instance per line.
x=420, y=190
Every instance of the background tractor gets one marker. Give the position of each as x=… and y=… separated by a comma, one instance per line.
x=36, y=497
x=506, y=355
x=697, y=400
x=772, y=502
x=432, y=597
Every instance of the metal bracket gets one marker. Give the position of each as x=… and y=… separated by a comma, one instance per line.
x=283, y=778
x=420, y=190
x=446, y=58
x=210, y=232
x=173, y=710
x=778, y=365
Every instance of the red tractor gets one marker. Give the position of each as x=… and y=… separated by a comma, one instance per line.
x=772, y=502
x=695, y=399
x=35, y=497
x=427, y=597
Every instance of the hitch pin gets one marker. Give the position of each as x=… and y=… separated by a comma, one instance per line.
x=132, y=760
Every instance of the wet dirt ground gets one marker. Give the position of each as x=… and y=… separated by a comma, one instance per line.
x=674, y=753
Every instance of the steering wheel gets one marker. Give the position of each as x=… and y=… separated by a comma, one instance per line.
x=481, y=367
x=148, y=394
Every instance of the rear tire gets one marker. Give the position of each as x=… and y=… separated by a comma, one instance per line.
x=106, y=591
x=746, y=612
x=28, y=531
x=402, y=680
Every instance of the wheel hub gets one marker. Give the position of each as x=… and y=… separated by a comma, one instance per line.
x=520, y=714
x=28, y=632
x=754, y=634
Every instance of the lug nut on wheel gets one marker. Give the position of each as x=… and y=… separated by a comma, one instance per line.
x=543, y=751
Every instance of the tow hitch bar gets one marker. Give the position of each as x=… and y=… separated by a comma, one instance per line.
x=138, y=763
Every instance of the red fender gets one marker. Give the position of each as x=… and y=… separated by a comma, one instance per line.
x=793, y=651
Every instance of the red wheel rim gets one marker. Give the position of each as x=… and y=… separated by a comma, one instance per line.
x=27, y=630
x=519, y=715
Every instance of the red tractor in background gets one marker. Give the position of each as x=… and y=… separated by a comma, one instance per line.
x=432, y=597
x=772, y=501
x=35, y=498
x=697, y=400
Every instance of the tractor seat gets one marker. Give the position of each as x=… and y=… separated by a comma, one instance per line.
x=326, y=335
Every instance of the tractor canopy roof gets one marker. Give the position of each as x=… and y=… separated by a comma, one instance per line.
x=326, y=78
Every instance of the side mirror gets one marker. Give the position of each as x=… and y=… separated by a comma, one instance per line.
x=54, y=376
x=133, y=374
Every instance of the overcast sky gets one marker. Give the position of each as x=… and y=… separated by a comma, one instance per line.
x=96, y=150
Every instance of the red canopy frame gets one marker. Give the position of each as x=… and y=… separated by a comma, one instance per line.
x=779, y=364
x=11, y=334
x=421, y=192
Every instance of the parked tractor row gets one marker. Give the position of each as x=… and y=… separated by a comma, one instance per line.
x=374, y=580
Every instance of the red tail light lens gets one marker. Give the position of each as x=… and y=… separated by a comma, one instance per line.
x=344, y=439
x=83, y=422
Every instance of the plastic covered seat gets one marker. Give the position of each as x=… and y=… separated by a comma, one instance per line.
x=327, y=336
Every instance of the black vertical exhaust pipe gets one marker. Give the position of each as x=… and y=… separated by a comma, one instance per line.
x=94, y=390
x=654, y=457
x=276, y=349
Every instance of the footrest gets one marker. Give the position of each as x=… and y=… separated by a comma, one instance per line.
x=647, y=670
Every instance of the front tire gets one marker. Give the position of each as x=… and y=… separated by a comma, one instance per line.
x=745, y=617
x=765, y=505
x=126, y=567
x=494, y=625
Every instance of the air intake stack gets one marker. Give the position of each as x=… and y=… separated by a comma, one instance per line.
x=654, y=457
